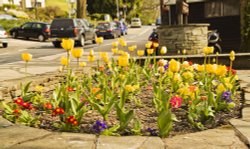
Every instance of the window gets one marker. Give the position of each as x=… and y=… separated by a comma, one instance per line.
x=27, y=26
x=220, y=8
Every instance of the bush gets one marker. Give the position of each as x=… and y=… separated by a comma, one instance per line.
x=8, y=24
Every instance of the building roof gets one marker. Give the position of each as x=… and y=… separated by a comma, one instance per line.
x=173, y=2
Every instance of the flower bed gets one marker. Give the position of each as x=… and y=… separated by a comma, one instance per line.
x=126, y=97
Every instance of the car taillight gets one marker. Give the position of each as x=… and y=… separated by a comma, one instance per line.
x=97, y=30
x=109, y=30
x=47, y=30
x=5, y=33
x=75, y=31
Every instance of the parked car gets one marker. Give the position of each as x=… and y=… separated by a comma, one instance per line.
x=122, y=26
x=78, y=29
x=38, y=30
x=7, y=17
x=136, y=22
x=3, y=37
x=108, y=30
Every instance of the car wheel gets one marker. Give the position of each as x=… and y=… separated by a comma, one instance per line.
x=57, y=44
x=14, y=34
x=5, y=45
x=93, y=40
x=41, y=38
x=82, y=41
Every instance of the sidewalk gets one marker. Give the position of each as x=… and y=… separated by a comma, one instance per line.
x=234, y=136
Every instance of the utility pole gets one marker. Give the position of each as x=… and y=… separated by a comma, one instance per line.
x=117, y=10
x=23, y=4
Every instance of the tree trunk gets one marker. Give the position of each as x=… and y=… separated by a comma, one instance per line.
x=81, y=8
x=23, y=4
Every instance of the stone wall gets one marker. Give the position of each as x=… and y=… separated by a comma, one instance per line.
x=192, y=37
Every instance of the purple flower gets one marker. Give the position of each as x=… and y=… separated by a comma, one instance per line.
x=227, y=96
x=99, y=126
x=152, y=132
x=166, y=67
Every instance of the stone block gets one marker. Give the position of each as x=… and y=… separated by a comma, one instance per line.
x=214, y=138
x=242, y=130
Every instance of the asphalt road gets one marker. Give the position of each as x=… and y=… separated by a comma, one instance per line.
x=38, y=49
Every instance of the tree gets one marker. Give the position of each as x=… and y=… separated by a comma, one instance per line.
x=245, y=23
x=81, y=6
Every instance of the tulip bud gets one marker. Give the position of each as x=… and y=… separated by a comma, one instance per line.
x=232, y=56
x=163, y=50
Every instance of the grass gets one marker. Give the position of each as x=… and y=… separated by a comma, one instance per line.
x=60, y=3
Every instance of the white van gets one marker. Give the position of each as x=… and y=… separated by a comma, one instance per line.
x=136, y=22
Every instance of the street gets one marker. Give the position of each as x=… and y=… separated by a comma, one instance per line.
x=38, y=49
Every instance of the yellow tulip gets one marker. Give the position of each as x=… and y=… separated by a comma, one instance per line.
x=232, y=56
x=131, y=48
x=155, y=45
x=161, y=69
x=200, y=68
x=140, y=52
x=77, y=53
x=150, y=51
x=208, y=50
x=26, y=57
x=129, y=88
x=103, y=54
x=114, y=50
x=163, y=50
x=221, y=70
x=184, y=51
x=177, y=77
x=188, y=75
x=64, y=61
x=174, y=66
x=220, y=88
x=105, y=59
x=99, y=40
x=211, y=68
x=91, y=52
x=123, y=61
x=121, y=40
x=91, y=58
x=123, y=44
x=67, y=44
x=148, y=44
x=115, y=44
x=82, y=64
x=39, y=88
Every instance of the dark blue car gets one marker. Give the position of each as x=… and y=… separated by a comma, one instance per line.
x=122, y=26
x=108, y=30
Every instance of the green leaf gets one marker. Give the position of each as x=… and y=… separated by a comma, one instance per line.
x=26, y=88
x=164, y=122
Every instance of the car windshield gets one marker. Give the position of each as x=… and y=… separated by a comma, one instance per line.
x=103, y=26
x=62, y=23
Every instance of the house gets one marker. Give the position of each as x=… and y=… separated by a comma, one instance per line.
x=28, y=3
x=222, y=15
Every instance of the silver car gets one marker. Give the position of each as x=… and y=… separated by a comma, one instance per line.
x=3, y=37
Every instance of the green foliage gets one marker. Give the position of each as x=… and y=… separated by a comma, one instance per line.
x=245, y=34
x=8, y=24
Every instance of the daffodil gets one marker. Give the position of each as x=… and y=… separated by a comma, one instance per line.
x=99, y=40
x=67, y=44
x=26, y=57
x=174, y=66
x=64, y=61
x=140, y=52
x=163, y=50
x=77, y=53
